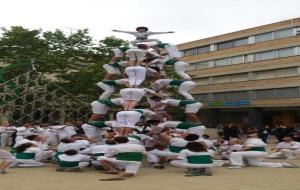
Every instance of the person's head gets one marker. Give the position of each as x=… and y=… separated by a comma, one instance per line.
x=71, y=152
x=33, y=138
x=142, y=46
x=196, y=147
x=121, y=140
x=191, y=137
x=21, y=148
x=141, y=29
x=67, y=140
x=110, y=142
x=234, y=141
x=287, y=139
x=79, y=123
x=69, y=123
x=27, y=125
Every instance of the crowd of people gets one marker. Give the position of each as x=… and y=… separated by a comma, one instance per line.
x=120, y=142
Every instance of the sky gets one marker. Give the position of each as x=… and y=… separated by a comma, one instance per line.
x=190, y=19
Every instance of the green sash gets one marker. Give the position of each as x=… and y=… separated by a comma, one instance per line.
x=94, y=156
x=199, y=159
x=175, y=149
x=136, y=137
x=98, y=124
x=124, y=48
x=25, y=156
x=13, y=151
x=110, y=82
x=187, y=125
x=140, y=111
x=114, y=64
x=107, y=102
x=261, y=149
x=161, y=45
x=171, y=62
x=186, y=102
x=130, y=156
x=176, y=82
x=57, y=154
x=68, y=164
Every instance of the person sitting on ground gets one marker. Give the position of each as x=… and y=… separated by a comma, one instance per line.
x=287, y=149
x=195, y=158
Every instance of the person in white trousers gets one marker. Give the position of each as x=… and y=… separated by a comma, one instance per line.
x=254, y=152
x=288, y=149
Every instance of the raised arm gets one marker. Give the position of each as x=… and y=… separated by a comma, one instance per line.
x=127, y=32
x=154, y=33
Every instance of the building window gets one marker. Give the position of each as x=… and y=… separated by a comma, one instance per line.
x=237, y=59
x=264, y=55
x=283, y=33
x=263, y=37
x=203, y=49
x=286, y=52
x=220, y=62
x=190, y=52
x=240, y=42
x=225, y=45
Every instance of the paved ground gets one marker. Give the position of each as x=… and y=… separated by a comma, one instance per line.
x=151, y=179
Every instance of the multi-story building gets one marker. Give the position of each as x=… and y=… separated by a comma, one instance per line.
x=250, y=76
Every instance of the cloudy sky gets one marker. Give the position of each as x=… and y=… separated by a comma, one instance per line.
x=190, y=19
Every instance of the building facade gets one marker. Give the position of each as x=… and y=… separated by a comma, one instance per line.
x=250, y=76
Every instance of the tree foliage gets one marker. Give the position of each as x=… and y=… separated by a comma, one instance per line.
x=74, y=60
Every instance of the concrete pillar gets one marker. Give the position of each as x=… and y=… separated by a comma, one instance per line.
x=214, y=117
x=255, y=118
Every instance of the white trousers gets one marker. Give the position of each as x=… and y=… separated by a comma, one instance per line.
x=135, y=54
x=136, y=75
x=184, y=89
x=111, y=70
x=254, y=158
x=108, y=90
x=285, y=153
x=135, y=94
x=154, y=155
x=180, y=69
x=92, y=132
x=184, y=164
x=5, y=155
x=128, y=118
x=129, y=166
x=193, y=108
x=28, y=163
x=99, y=108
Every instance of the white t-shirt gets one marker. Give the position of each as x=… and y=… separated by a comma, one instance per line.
x=96, y=149
x=62, y=147
x=172, y=102
x=124, y=147
x=73, y=158
x=186, y=153
x=291, y=145
x=254, y=142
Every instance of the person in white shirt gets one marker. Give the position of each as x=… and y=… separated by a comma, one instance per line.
x=254, y=152
x=27, y=155
x=142, y=34
x=109, y=87
x=184, y=86
x=136, y=75
x=72, y=160
x=235, y=145
x=127, y=120
x=123, y=155
x=196, y=158
x=188, y=127
x=288, y=149
x=176, y=141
